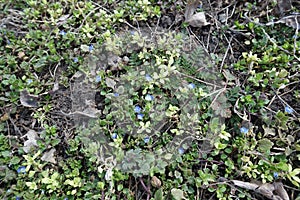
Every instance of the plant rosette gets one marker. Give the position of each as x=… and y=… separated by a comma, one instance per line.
x=149, y=96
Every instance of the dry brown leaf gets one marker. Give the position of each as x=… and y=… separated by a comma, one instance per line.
x=49, y=156
x=281, y=191
x=21, y=54
x=291, y=21
x=31, y=140
x=284, y=5
x=267, y=189
x=191, y=7
x=155, y=182
x=197, y=20
x=28, y=100
x=110, y=82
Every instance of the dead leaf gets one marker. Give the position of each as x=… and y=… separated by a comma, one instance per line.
x=62, y=20
x=155, y=182
x=267, y=189
x=55, y=87
x=4, y=117
x=110, y=82
x=190, y=9
x=269, y=131
x=197, y=20
x=31, y=140
x=49, y=156
x=284, y=6
x=291, y=21
x=21, y=54
x=281, y=191
x=28, y=100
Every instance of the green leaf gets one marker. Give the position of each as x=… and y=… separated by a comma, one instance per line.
x=177, y=194
x=265, y=145
x=158, y=194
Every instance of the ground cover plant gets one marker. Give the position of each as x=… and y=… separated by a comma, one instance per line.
x=149, y=99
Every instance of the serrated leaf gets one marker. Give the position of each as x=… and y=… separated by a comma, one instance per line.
x=265, y=145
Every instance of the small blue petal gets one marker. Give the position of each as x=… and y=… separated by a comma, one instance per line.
x=18, y=198
x=275, y=175
x=137, y=109
x=191, y=86
x=91, y=47
x=66, y=198
x=21, y=169
x=140, y=116
x=288, y=110
x=149, y=97
x=181, y=150
x=244, y=130
x=146, y=139
x=116, y=94
x=8, y=42
x=114, y=136
x=132, y=32
x=98, y=79
x=62, y=32
x=148, y=77
x=29, y=81
x=75, y=59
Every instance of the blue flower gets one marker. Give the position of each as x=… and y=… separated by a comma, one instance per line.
x=140, y=116
x=148, y=77
x=116, y=94
x=75, y=60
x=244, y=130
x=137, y=109
x=91, y=47
x=132, y=32
x=180, y=150
x=275, y=175
x=66, y=198
x=18, y=198
x=98, y=79
x=191, y=86
x=147, y=139
x=29, y=81
x=8, y=42
x=114, y=136
x=149, y=97
x=288, y=110
x=62, y=32
x=21, y=169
